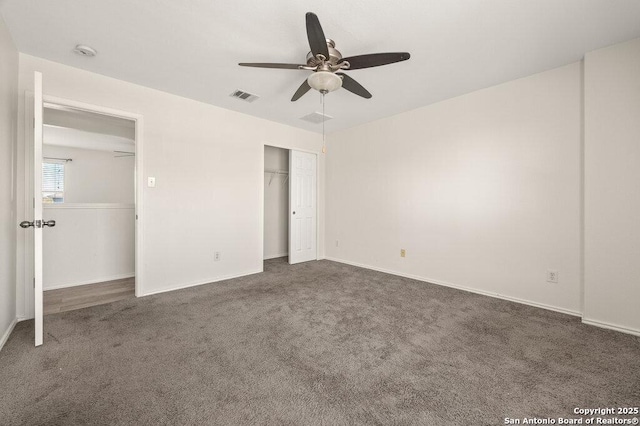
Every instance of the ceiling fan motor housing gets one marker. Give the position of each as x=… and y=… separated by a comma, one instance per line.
x=334, y=55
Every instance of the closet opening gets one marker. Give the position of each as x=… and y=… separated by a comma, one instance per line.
x=290, y=205
x=276, y=203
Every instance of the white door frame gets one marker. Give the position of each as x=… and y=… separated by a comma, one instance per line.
x=288, y=147
x=36, y=161
x=139, y=177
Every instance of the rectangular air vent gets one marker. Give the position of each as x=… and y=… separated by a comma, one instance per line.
x=244, y=96
x=316, y=117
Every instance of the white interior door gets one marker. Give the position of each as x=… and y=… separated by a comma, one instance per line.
x=302, y=207
x=37, y=206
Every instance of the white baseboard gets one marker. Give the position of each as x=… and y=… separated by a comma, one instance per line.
x=275, y=256
x=611, y=327
x=459, y=287
x=7, y=333
x=197, y=283
x=94, y=281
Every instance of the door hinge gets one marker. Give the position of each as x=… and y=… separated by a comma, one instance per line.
x=34, y=283
x=34, y=122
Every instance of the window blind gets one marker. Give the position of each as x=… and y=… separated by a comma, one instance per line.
x=52, y=177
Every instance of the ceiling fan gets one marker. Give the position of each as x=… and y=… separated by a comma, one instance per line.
x=326, y=62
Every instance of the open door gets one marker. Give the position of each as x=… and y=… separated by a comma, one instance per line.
x=38, y=224
x=302, y=207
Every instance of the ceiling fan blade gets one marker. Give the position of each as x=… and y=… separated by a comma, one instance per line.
x=269, y=65
x=317, y=40
x=304, y=88
x=375, y=59
x=353, y=86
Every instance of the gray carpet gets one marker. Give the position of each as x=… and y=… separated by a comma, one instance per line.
x=315, y=343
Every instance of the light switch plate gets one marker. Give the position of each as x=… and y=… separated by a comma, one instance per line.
x=151, y=182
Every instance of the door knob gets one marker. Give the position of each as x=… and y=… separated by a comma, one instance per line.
x=38, y=223
x=294, y=212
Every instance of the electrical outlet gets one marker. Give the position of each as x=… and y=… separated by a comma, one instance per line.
x=552, y=276
x=216, y=257
x=403, y=253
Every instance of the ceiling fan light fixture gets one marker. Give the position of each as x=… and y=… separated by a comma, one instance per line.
x=324, y=81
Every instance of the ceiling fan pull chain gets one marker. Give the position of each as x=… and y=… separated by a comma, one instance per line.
x=324, y=147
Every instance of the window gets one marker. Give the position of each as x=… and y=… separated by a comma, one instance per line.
x=52, y=182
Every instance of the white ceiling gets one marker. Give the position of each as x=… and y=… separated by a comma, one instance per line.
x=87, y=130
x=59, y=116
x=74, y=138
x=191, y=48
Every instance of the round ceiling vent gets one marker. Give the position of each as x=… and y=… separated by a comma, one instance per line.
x=83, y=50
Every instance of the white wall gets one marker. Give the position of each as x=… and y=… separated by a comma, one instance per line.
x=209, y=170
x=90, y=243
x=95, y=176
x=483, y=191
x=276, y=203
x=8, y=221
x=612, y=187
x=94, y=237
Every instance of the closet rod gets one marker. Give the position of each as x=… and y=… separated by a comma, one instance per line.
x=124, y=154
x=278, y=172
x=66, y=160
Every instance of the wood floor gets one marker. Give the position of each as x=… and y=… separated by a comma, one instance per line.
x=83, y=296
